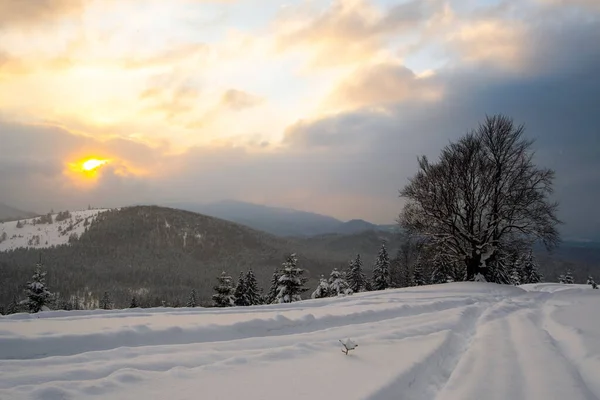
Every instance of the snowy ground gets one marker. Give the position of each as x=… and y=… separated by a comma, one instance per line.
x=45, y=235
x=454, y=341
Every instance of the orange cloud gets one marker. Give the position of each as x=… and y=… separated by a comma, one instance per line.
x=496, y=41
x=381, y=85
x=27, y=13
x=349, y=31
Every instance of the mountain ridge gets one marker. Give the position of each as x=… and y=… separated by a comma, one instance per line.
x=279, y=221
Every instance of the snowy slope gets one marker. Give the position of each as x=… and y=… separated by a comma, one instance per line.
x=454, y=341
x=45, y=235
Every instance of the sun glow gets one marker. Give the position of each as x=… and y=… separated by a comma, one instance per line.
x=92, y=164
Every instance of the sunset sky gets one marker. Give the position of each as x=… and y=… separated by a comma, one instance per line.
x=316, y=105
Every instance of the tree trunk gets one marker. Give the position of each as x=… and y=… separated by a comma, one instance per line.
x=473, y=264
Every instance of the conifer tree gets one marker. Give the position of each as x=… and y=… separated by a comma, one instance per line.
x=38, y=295
x=252, y=291
x=272, y=295
x=441, y=271
x=355, y=277
x=134, y=303
x=13, y=306
x=381, y=270
x=192, y=300
x=338, y=285
x=322, y=289
x=408, y=278
x=418, y=277
x=239, y=294
x=515, y=274
x=569, y=278
x=105, y=302
x=530, y=269
x=224, y=291
x=590, y=281
x=561, y=278
x=76, y=303
x=291, y=281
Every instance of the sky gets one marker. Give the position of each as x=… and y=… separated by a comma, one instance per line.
x=321, y=106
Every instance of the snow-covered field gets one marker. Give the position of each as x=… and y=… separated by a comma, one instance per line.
x=454, y=341
x=45, y=235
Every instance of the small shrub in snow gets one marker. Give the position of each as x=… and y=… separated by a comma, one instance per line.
x=591, y=282
x=568, y=278
x=348, y=345
x=134, y=303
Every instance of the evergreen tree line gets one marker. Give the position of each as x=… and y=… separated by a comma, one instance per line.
x=414, y=265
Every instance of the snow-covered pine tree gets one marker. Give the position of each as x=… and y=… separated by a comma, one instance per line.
x=515, y=273
x=408, y=279
x=105, y=302
x=530, y=270
x=355, y=276
x=569, y=278
x=13, y=306
x=134, y=303
x=338, y=285
x=272, y=295
x=224, y=291
x=239, y=294
x=38, y=295
x=322, y=289
x=381, y=270
x=192, y=300
x=591, y=282
x=291, y=281
x=441, y=271
x=252, y=291
x=418, y=276
x=561, y=278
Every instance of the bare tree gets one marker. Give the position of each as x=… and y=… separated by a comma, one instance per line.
x=482, y=199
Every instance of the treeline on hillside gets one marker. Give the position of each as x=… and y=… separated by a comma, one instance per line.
x=412, y=266
x=161, y=254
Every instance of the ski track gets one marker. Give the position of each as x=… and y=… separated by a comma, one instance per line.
x=446, y=342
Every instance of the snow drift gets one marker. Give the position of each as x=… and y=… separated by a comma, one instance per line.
x=452, y=341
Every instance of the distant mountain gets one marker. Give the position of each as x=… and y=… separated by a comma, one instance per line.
x=279, y=221
x=161, y=253
x=8, y=213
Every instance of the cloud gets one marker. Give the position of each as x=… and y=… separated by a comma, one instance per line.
x=353, y=133
x=347, y=31
x=239, y=100
x=27, y=13
x=381, y=85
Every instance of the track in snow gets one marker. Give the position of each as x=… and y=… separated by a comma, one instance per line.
x=445, y=342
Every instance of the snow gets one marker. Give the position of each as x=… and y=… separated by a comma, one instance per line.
x=446, y=342
x=54, y=234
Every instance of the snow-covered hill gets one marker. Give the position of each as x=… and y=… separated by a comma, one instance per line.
x=454, y=341
x=30, y=233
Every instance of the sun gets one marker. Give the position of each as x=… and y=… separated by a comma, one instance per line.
x=92, y=164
